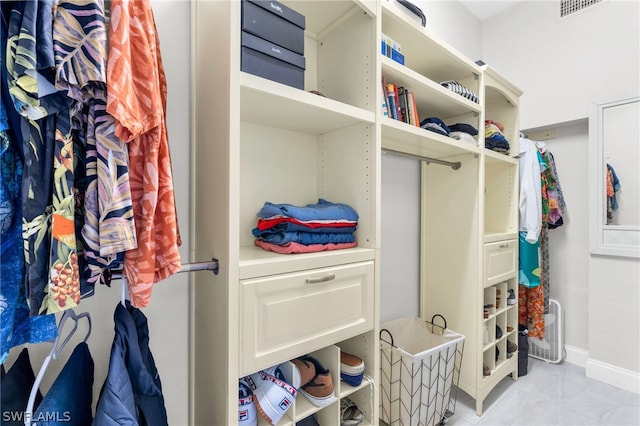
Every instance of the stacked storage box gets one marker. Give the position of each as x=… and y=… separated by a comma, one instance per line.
x=273, y=42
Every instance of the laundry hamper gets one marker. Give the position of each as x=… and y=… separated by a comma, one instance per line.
x=419, y=363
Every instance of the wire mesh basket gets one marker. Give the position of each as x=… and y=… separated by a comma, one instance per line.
x=419, y=363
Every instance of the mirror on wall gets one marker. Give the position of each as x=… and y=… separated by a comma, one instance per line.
x=614, y=177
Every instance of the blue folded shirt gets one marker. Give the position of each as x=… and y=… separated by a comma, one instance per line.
x=322, y=210
x=307, y=238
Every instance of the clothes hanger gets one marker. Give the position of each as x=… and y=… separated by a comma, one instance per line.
x=125, y=291
x=53, y=354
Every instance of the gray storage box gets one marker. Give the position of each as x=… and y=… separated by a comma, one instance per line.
x=274, y=22
x=265, y=59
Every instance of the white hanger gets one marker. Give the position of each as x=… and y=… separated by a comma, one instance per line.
x=53, y=354
x=125, y=290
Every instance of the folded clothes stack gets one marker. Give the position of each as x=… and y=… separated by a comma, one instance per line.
x=463, y=132
x=461, y=90
x=494, y=138
x=287, y=229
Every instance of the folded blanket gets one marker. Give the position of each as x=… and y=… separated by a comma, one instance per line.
x=291, y=248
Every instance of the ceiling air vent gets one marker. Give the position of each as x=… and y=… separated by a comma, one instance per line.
x=567, y=7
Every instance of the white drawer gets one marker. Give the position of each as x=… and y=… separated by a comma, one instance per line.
x=284, y=316
x=500, y=261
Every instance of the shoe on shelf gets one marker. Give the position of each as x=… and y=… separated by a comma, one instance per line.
x=511, y=347
x=306, y=369
x=351, y=368
x=350, y=415
x=247, y=415
x=511, y=299
x=311, y=420
x=319, y=391
x=274, y=390
x=485, y=370
x=498, y=332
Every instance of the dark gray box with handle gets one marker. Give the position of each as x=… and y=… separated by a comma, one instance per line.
x=268, y=60
x=274, y=22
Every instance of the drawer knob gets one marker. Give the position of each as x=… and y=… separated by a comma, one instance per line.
x=504, y=245
x=323, y=279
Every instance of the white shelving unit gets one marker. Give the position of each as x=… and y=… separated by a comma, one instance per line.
x=469, y=214
x=500, y=242
x=257, y=140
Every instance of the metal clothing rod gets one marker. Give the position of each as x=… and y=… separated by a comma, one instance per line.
x=454, y=165
x=185, y=267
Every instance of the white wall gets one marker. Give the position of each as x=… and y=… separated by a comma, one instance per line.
x=168, y=310
x=400, y=244
x=569, y=244
x=562, y=66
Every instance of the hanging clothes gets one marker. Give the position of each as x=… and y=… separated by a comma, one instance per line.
x=68, y=401
x=16, y=325
x=137, y=95
x=47, y=148
x=15, y=389
x=534, y=288
x=132, y=392
x=80, y=41
x=613, y=186
x=530, y=203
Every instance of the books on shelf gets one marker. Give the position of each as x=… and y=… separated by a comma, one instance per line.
x=392, y=49
x=399, y=103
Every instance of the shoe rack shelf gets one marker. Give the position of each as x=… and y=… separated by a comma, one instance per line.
x=361, y=395
x=501, y=324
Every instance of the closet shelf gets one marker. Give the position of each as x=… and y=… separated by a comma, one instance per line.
x=498, y=87
x=432, y=99
x=319, y=17
x=277, y=105
x=492, y=237
x=403, y=137
x=257, y=262
x=497, y=158
x=424, y=53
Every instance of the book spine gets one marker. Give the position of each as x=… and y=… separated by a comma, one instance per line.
x=397, y=100
x=416, y=116
x=386, y=112
x=391, y=101
x=402, y=97
x=410, y=108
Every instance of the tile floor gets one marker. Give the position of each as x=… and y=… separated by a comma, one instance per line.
x=551, y=394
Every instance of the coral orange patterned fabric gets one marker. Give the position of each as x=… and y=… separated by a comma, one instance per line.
x=137, y=95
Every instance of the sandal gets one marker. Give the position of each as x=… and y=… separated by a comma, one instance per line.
x=350, y=415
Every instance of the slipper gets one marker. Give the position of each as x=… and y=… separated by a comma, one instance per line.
x=350, y=415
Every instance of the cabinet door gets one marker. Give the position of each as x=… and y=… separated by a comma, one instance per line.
x=500, y=261
x=287, y=315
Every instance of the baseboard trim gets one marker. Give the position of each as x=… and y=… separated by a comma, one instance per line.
x=576, y=356
x=614, y=376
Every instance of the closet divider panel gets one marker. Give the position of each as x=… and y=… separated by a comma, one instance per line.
x=214, y=207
